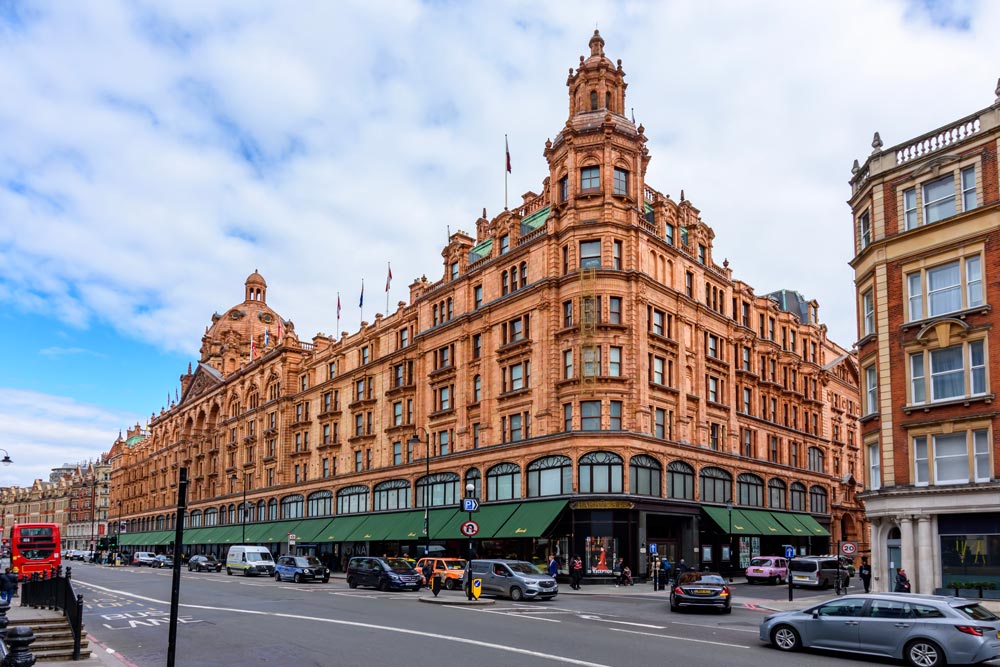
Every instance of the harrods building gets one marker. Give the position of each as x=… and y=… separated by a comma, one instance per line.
x=583, y=362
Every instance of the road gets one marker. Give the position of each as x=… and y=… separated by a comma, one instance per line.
x=227, y=621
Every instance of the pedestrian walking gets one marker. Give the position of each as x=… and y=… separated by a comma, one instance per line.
x=553, y=566
x=8, y=584
x=682, y=567
x=902, y=582
x=576, y=572
x=616, y=570
x=665, y=572
x=427, y=571
x=865, y=572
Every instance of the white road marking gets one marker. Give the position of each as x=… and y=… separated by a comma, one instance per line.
x=475, y=643
x=638, y=625
x=512, y=614
x=719, y=627
x=684, y=639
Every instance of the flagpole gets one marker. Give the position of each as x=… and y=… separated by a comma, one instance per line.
x=505, y=170
x=337, y=332
x=388, y=281
x=361, y=303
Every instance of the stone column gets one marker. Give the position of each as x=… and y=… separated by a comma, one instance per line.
x=936, y=551
x=925, y=557
x=876, y=530
x=906, y=550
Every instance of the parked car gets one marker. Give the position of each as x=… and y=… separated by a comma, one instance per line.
x=300, y=568
x=923, y=630
x=818, y=571
x=140, y=558
x=449, y=570
x=204, y=563
x=162, y=560
x=516, y=579
x=701, y=589
x=767, y=568
x=382, y=573
x=249, y=560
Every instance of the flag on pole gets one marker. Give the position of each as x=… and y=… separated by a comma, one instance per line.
x=361, y=302
x=507, y=146
x=388, y=279
x=338, y=306
x=253, y=348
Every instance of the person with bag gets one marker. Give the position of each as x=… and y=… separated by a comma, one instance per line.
x=902, y=582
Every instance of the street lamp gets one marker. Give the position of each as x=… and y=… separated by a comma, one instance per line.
x=118, y=522
x=243, y=508
x=729, y=509
x=414, y=441
x=6, y=458
x=470, y=492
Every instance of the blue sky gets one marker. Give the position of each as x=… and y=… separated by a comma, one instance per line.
x=152, y=155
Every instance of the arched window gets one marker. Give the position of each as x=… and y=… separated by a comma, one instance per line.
x=437, y=490
x=170, y=522
x=473, y=476
x=320, y=503
x=211, y=518
x=261, y=510
x=195, y=519
x=593, y=100
x=550, y=476
x=272, y=510
x=232, y=514
x=524, y=274
x=503, y=482
x=352, y=500
x=477, y=389
x=513, y=279
x=817, y=500
x=680, y=479
x=798, y=497
x=601, y=472
x=244, y=513
x=392, y=495
x=716, y=485
x=159, y=522
x=776, y=494
x=750, y=489
x=644, y=476
x=504, y=283
x=292, y=507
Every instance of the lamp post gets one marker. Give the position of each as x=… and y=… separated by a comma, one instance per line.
x=414, y=441
x=729, y=509
x=118, y=523
x=93, y=515
x=470, y=492
x=243, y=508
x=6, y=458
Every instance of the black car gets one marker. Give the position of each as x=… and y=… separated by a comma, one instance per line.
x=162, y=560
x=300, y=568
x=701, y=589
x=204, y=563
x=382, y=573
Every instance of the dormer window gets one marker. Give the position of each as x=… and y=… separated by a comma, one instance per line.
x=504, y=244
x=621, y=181
x=564, y=188
x=590, y=178
x=593, y=100
x=607, y=100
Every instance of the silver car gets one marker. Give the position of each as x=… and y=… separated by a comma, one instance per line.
x=923, y=630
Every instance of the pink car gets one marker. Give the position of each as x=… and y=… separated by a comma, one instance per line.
x=767, y=568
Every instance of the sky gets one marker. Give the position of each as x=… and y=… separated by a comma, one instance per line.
x=153, y=155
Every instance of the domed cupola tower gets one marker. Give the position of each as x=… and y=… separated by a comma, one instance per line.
x=597, y=163
x=245, y=332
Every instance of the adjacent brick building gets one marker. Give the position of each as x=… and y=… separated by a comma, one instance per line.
x=582, y=362
x=927, y=227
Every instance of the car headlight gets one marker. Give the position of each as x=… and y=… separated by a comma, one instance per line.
x=393, y=575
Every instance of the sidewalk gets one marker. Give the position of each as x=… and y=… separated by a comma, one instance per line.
x=99, y=657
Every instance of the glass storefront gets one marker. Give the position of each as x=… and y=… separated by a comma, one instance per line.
x=601, y=555
x=970, y=558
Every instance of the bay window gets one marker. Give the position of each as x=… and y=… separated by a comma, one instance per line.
x=946, y=288
x=954, y=372
x=951, y=458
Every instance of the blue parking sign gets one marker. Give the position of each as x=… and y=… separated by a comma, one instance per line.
x=652, y=548
x=789, y=551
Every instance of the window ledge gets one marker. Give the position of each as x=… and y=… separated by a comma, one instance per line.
x=868, y=418
x=964, y=401
x=958, y=314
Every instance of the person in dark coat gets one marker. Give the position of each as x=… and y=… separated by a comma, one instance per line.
x=902, y=582
x=427, y=571
x=865, y=572
x=576, y=572
x=553, y=566
x=8, y=584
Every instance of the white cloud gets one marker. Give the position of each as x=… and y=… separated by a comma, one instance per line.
x=152, y=157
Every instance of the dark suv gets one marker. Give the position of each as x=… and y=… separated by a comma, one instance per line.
x=382, y=573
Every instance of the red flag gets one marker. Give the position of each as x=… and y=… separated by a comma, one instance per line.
x=507, y=146
x=388, y=278
x=338, y=305
x=253, y=349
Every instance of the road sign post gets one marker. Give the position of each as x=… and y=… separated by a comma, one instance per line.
x=477, y=588
x=470, y=528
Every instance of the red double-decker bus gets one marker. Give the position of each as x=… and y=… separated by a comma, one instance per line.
x=34, y=547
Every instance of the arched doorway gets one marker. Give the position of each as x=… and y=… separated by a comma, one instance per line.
x=893, y=553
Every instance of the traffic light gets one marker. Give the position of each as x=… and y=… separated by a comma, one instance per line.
x=102, y=543
x=113, y=541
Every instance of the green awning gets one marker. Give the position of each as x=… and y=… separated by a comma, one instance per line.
x=790, y=522
x=194, y=535
x=489, y=517
x=531, y=519
x=311, y=530
x=812, y=525
x=767, y=523
x=442, y=520
x=741, y=524
x=411, y=524
x=256, y=532
x=343, y=526
x=230, y=535
x=375, y=528
x=278, y=532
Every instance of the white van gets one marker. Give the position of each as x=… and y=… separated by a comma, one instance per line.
x=251, y=561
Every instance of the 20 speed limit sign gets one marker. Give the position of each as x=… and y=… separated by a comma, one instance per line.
x=849, y=548
x=470, y=528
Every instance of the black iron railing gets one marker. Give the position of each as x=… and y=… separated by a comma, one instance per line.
x=54, y=590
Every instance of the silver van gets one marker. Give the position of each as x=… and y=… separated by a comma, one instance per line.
x=516, y=579
x=817, y=571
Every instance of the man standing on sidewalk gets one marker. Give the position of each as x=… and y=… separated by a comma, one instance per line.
x=865, y=572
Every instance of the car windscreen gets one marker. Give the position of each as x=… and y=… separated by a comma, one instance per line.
x=398, y=565
x=455, y=564
x=977, y=612
x=703, y=580
x=210, y=559
x=307, y=561
x=523, y=567
x=802, y=566
x=760, y=562
x=258, y=555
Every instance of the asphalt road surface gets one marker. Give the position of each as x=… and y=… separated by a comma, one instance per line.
x=253, y=622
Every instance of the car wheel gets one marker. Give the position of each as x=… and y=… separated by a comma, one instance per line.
x=727, y=610
x=297, y=578
x=351, y=583
x=326, y=580
x=673, y=605
x=786, y=638
x=449, y=584
x=229, y=572
x=923, y=653
x=824, y=584
x=383, y=585
x=277, y=577
x=190, y=569
x=516, y=594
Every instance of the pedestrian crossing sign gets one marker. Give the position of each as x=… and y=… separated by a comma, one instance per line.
x=477, y=588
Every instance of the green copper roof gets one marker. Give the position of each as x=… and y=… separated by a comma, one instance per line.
x=481, y=250
x=648, y=208
x=535, y=220
x=134, y=439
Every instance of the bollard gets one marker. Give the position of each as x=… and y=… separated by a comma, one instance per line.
x=980, y=591
x=69, y=572
x=4, y=621
x=19, y=638
x=956, y=591
x=789, y=586
x=656, y=579
x=435, y=585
